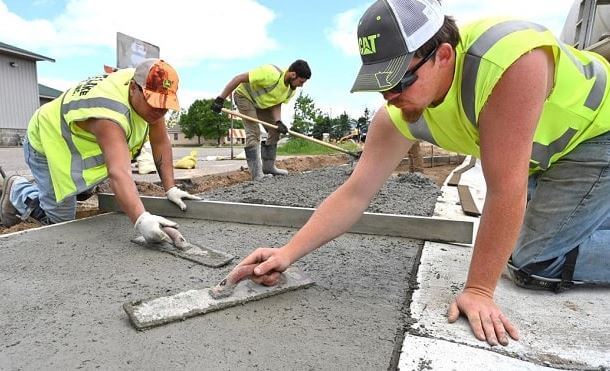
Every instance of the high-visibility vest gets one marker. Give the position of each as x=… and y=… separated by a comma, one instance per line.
x=576, y=110
x=266, y=87
x=75, y=159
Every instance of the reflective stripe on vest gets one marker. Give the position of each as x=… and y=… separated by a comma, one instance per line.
x=473, y=56
x=487, y=40
x=78, y=164
x=542, y=154
x=254, y=94
x=420, y=130
x=593, y=69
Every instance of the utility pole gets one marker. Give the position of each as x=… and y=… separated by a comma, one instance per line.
x=231, y=130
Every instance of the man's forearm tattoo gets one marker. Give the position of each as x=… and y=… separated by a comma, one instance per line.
x=158, y=165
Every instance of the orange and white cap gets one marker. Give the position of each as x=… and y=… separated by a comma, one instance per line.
x=159, y=83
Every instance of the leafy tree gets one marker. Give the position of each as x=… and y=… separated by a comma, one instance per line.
x=174, y=118
x=323, y=124
x=341, y=126
x=201, y=121
x=305, y=114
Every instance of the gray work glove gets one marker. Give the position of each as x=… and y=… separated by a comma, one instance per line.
x=176, y=195
x=218, y=104
x=281, y=127
x=149, y=226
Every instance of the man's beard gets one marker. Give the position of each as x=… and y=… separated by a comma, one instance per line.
x=293, y=87
x=411, y=116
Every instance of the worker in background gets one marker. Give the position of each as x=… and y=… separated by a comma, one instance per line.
x=416, y=162
x=90, y=133
x=260, y=94
x=534, y=110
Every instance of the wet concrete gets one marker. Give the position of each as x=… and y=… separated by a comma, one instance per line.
x=406, y=194
x=63, y=289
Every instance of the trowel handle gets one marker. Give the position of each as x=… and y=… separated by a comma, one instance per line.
x=239, y=274
x=177, y=239
x=227, y=285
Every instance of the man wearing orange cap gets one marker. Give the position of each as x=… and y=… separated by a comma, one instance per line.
x=90, y=133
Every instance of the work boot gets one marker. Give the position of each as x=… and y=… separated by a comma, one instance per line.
x=268, y=154
x=8, y=213
x=253, y=158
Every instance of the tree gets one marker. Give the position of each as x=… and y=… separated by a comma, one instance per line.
x=323, y=124
x=174, y=118
x=201, y=121
x=305, y=114
x=341, y=126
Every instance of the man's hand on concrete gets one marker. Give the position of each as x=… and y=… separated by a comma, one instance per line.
x=486, y=320
x=150, y=227
x=271, y=263
x=176, y=195
x=218, y=104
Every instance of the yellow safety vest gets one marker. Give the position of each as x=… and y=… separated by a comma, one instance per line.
x=75, y=159
x=576, y=110
x=266, y=87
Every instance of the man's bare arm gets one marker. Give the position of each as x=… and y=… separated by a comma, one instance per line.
x=507, y=125
x=162, y=153
x=111, y=138
x=384, y=149
x=232, y=85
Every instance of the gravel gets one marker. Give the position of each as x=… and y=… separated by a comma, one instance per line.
x=405, y=194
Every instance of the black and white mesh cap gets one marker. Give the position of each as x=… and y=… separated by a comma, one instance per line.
x=389, y=33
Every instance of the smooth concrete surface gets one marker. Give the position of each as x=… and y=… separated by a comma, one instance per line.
x=566, y=331
x=62, y=289
x=447, y=355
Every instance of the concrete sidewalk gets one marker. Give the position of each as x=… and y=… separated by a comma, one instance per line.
x=566, y=331
x=63, y=286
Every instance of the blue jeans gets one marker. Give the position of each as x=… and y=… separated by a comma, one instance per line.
x=42, y=189
x=568, y=207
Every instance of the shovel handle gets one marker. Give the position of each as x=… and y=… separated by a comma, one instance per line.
x=293, y=133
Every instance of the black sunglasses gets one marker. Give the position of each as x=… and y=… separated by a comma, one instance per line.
x=410, y=77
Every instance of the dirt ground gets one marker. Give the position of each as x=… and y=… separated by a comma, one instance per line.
x=437, y=174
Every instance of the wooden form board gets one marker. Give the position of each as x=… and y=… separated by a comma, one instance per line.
x=457, y=174
x=467, y=202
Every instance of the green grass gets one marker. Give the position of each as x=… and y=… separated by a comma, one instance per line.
x=298, y=146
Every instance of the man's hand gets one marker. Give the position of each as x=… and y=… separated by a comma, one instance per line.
x=176, y=195
x=485, y=318
x=150, y=227
x=218, y=104
x=281, y=127
x=271, y=263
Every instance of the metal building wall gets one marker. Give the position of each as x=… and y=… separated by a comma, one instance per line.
x=18, y=92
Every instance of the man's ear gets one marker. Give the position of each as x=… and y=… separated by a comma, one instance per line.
x=444, y=54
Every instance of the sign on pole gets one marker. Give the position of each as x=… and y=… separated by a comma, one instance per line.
x=131, y=51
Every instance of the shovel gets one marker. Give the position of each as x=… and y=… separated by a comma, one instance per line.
x=355, y=155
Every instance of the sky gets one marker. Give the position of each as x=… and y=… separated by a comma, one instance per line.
x=209, y=42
